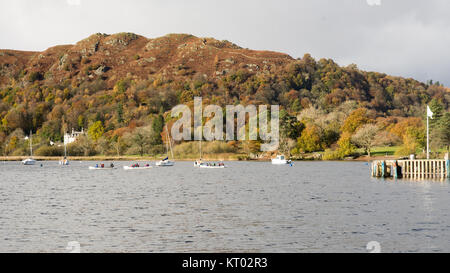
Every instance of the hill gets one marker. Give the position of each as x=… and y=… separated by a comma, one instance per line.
x=125, y=82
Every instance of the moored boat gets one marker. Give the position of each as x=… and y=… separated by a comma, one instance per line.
x=166, y=162
x=64, y=161
x=30, y=161
x=103, y=167
x=206, y=165
x=137, y=167
x=281, y=160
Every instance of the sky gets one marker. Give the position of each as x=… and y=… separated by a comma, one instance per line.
x=409, y=38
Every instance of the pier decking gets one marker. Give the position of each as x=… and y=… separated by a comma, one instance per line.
x=414, y=169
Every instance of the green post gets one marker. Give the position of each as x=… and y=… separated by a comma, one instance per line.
x=395, y=169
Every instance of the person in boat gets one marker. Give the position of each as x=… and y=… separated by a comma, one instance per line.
x=96, y=165
x=111, y=166
x=103, y=165
x=148, y=165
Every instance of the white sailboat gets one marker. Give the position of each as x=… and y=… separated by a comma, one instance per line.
x=30, y=161
x=206, y=165
x=64, y=161
x=166, y=162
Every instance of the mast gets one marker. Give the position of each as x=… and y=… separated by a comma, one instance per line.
x=167, y=142
x=428, y=137
x=170, y=142
x=31, y=143
x=201, y=147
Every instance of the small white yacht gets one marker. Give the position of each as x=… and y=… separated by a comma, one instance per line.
x=281, y=160
x=30, y=161
x=166, y=162
x=64, y=161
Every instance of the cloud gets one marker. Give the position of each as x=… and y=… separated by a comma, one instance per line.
x=374, y=2
x=403, y=37
x=74, y=2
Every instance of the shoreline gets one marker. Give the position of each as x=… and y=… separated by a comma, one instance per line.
x=144, y=158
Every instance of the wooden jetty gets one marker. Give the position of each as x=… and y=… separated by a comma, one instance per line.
x=413, y=168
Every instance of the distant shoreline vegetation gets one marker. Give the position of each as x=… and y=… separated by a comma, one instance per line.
x=121, y=89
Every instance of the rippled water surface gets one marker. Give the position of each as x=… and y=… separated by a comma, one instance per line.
x=248, y=207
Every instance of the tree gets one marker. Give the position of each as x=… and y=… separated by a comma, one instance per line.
x=441, y=133
x=118, y=145
x=96, y=130
x=103, y=146
x=290, y=126
x=310, y=140
x=139, y=141
x=365, y=137
x=413, y=139
x=85, y=144
x=437, y=109
x=355, y=120
x=157, y=129
x=345, y=145
x=119, y=113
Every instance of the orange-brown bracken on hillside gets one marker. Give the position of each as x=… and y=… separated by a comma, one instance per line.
x=121, y=88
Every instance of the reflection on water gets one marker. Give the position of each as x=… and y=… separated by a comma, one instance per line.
x=249, y=207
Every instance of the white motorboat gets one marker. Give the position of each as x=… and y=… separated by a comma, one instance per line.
x=281, y=160
x=30, y=161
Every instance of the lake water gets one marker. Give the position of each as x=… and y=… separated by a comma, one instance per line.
x=248, y=207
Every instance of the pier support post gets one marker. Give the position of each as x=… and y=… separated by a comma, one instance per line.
x=395, y=169
x=434, y=168
x=447, y=163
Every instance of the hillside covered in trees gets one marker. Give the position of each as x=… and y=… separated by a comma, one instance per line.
x=121, y=88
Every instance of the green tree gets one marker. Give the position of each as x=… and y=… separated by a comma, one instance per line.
x=310, y=140
x=119, y=113
x=140, y=140
x=437, y=109
x=157, y=129
x=441, y=133
x=346, y=147
x=96, y=130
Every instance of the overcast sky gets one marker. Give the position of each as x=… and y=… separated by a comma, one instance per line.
x=409, y=38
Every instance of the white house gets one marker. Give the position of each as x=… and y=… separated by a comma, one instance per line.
x=70, y=138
